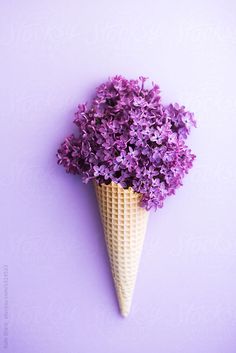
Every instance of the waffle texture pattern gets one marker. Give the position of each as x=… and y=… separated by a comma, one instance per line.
x=124, y=223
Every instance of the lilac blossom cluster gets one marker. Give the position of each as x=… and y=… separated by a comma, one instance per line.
x=126, y=135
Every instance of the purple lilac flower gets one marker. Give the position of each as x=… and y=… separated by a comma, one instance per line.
x=129, y=137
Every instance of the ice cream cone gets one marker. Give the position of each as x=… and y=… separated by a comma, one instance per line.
x=124, y=223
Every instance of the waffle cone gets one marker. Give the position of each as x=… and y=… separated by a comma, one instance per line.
x=124, y=223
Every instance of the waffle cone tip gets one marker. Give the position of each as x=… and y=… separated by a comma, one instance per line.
x=124, y=313
x=124, y=305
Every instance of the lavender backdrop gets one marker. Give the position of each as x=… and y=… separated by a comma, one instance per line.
x=56, y=289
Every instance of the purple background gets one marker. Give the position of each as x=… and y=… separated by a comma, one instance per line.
x=60, y=293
